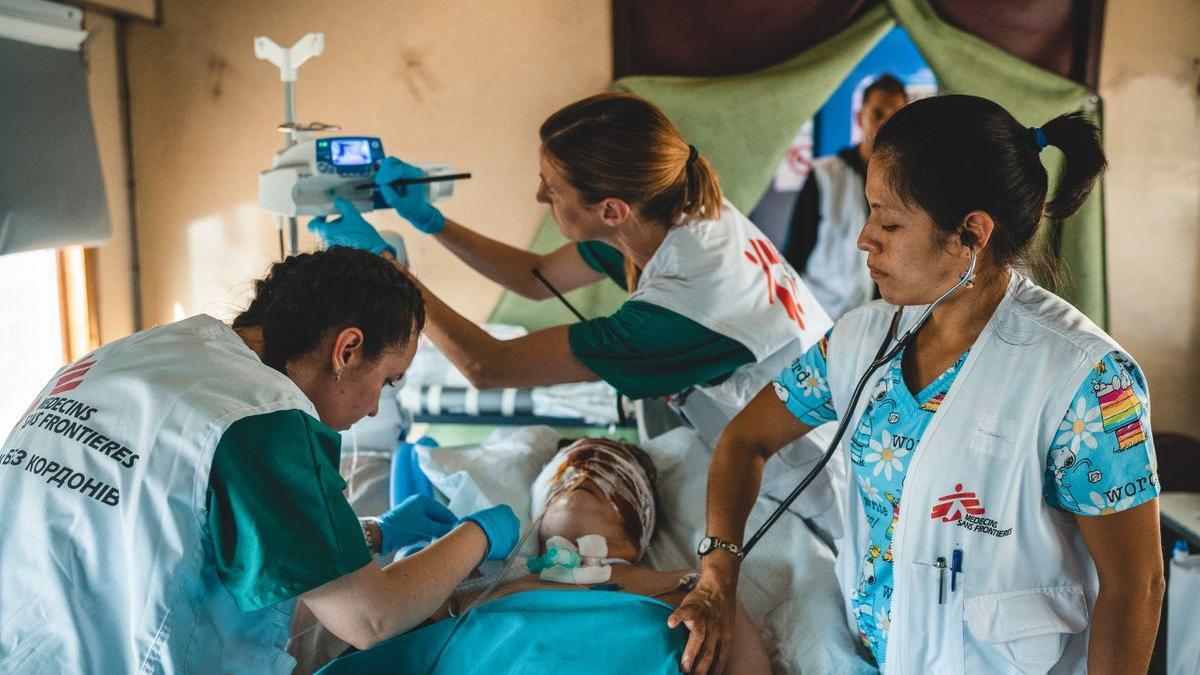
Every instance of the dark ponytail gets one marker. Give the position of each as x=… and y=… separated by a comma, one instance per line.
x=1083, y=162
x=305, y=297
x=951, y=155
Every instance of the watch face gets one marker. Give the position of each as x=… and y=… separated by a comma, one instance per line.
x=706, y=545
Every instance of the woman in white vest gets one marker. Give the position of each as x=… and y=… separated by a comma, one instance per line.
x=1003, y=513
x=167, y=497
x=713, y=312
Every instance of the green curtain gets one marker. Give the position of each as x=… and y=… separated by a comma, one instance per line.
x=744, y=125
x=964, y=64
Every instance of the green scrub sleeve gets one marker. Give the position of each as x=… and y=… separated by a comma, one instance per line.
x=279, y=521
x=604, y=259
x=645, y=351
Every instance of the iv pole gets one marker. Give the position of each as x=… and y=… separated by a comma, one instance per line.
x=289, y=61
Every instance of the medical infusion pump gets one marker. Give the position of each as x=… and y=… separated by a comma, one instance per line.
x=305, y=177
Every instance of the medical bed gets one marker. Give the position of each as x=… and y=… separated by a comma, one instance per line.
x=787, y=586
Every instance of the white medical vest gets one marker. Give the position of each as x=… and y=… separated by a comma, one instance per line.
x=837, y=270
x=107, y=562
x=725, y=275
x=1029, y=584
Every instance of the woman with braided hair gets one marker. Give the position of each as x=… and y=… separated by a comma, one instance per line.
x=169, y=496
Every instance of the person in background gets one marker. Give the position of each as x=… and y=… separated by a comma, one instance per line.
x=831, y=209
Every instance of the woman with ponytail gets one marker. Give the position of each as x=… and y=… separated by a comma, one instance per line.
x=713, y=310
x=1003, y=515
x=178, y=489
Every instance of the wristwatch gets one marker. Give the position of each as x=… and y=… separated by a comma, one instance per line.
x=710, y=544
x=372, y=545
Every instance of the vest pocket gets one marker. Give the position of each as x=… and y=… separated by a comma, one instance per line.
x=935, y=641
x=1028, y=629
x=990, y=437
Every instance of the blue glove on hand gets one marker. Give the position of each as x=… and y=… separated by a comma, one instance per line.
x=350, y=230
x=501, y=527
x=415, y=519
x=410, y=201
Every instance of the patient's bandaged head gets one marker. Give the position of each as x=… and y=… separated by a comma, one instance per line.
x=616, y=469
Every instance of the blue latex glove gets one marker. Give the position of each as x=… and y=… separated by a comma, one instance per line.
x=410, y=201
x=501, y=527
x=415, y=519
x=350, y=230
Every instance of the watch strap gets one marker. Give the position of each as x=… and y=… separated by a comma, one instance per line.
x=721, y=544
x=372, y=545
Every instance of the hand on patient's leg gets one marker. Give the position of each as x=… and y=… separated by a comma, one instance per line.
x=708, y=612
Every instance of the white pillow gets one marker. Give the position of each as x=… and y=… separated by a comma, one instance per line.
x=502, y=468
x=497, y=471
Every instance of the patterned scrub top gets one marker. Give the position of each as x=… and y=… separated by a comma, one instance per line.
x=1101, y=461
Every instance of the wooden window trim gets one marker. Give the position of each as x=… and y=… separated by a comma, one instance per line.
x=77, y=301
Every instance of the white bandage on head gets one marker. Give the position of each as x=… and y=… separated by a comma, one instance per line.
x=612, y=468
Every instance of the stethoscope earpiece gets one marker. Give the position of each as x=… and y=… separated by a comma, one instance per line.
x=967, y=277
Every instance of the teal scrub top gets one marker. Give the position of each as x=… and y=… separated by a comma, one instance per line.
x=644, y=350
x=279, y=521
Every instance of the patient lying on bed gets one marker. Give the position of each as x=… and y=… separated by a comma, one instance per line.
x=604, y=614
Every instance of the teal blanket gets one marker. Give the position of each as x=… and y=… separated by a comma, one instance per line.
x=547, y=631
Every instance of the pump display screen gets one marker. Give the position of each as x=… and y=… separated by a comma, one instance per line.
x=350, y=152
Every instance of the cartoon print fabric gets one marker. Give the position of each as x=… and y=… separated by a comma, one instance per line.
x=1102, y=460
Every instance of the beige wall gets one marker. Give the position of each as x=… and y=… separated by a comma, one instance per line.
x=114, y=275
x=1148, y=80
x=468, y=82
x=459, y=81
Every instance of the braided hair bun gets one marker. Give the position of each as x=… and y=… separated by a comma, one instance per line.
x=307, y=296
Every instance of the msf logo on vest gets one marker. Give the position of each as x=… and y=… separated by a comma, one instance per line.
x=72, y=377
x=781, y=284
x=69, y=379
x=966, y=511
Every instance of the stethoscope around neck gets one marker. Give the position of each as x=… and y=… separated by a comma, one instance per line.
x=882, y=355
